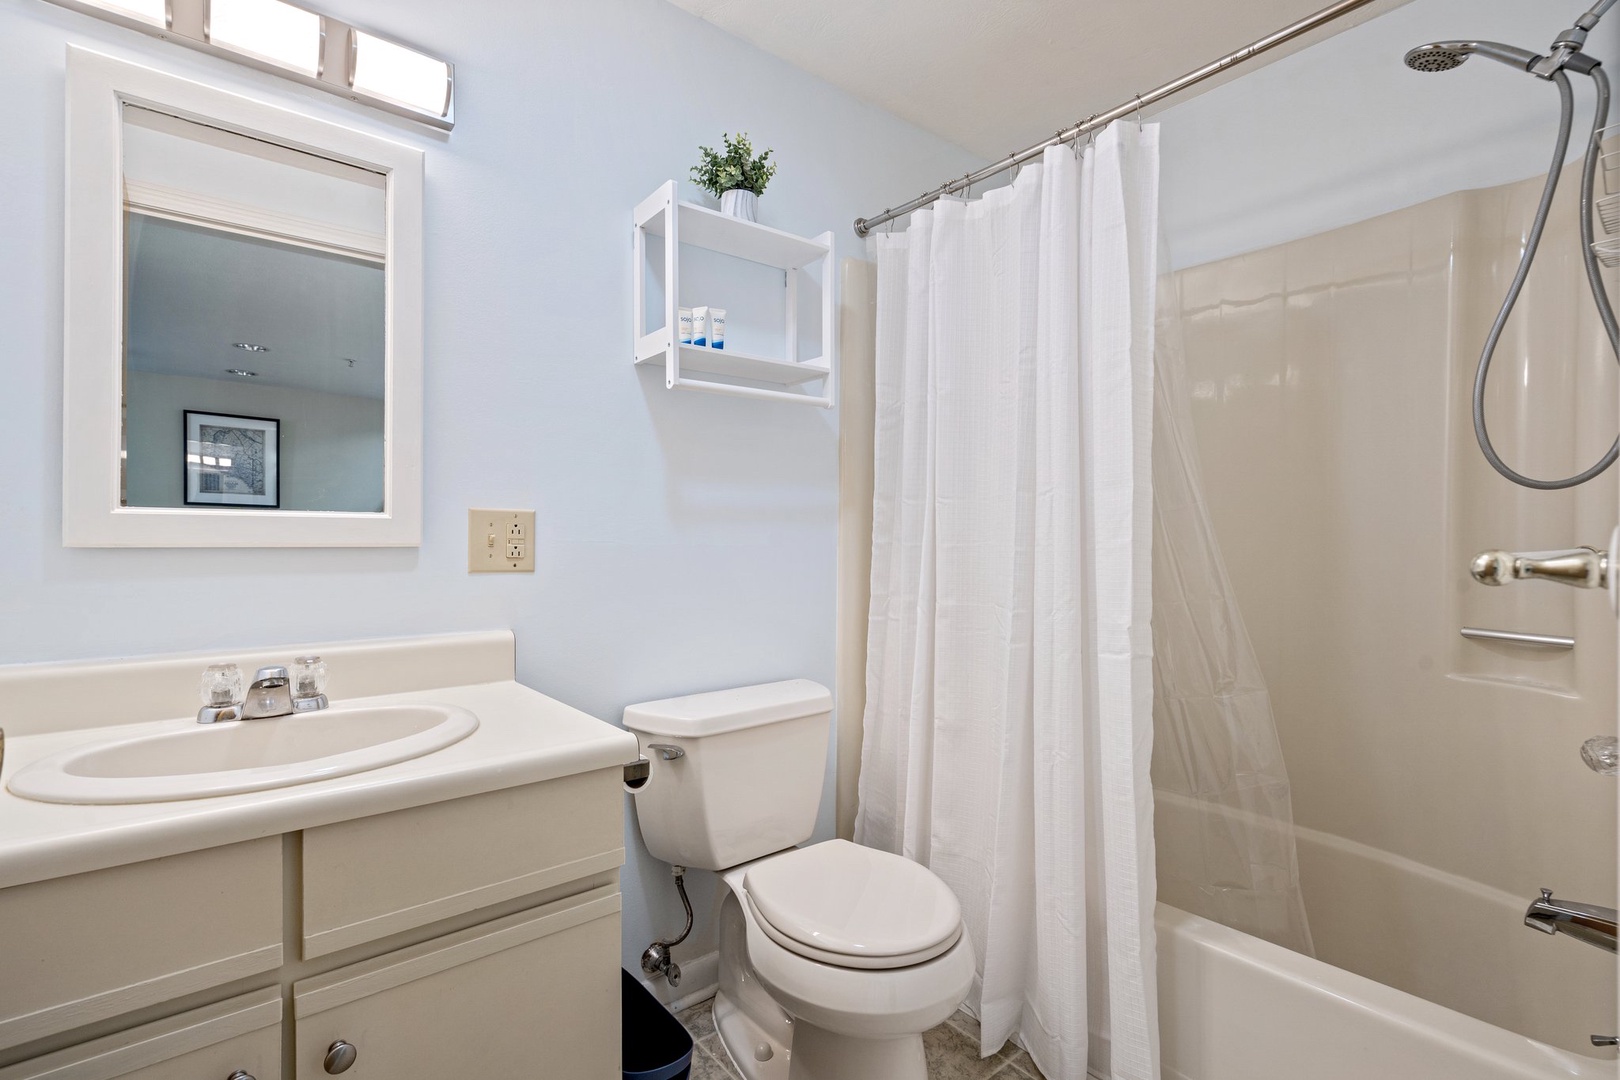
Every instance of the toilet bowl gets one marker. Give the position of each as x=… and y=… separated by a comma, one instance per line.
x=858, y=952
x=834, y=958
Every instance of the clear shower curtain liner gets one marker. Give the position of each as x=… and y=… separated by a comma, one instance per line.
x=1224, y=821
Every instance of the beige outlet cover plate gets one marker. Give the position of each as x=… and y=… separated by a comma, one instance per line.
x=500, y=541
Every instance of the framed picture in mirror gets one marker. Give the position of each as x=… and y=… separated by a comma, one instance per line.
x=232, y=460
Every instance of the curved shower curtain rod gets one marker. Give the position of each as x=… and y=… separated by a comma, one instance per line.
x=863, y=226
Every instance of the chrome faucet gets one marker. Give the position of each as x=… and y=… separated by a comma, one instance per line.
x=1583, y=922
x=268, y=695
x=273, y=692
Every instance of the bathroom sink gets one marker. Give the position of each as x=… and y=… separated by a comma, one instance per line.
x=189, y=761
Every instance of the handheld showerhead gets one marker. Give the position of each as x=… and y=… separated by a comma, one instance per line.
x=1445, y=55
x=1436, y=57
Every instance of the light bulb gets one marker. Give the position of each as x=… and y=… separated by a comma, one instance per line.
x=269, y=30
x=404, y=76
x=155, y=12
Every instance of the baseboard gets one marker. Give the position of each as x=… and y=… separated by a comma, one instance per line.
x=700, y=978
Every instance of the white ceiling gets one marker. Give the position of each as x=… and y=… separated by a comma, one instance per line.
x=993, y=76
x=195, y=292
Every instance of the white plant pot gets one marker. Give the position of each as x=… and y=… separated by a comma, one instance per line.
x=740, y=203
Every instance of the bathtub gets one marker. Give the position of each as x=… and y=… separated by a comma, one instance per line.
x=1234, y=1007
x=1421, y=934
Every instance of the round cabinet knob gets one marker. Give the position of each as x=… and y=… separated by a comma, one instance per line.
x=240, y=1074
x=339, y=1056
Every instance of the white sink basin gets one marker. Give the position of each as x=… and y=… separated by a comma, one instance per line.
x=192, y=761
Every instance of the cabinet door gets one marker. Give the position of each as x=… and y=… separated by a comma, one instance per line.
x=239, y=1036
x=533, y=995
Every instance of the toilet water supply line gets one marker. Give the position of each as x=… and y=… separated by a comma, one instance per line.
x=657, y=960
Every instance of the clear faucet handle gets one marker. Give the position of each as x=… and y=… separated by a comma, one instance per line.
x=221, y=685
x=309, y=677
x=1602, y=754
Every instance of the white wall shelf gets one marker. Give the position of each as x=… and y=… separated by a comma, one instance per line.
x=692, y=367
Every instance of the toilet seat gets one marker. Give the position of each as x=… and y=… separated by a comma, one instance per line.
x=853, y=907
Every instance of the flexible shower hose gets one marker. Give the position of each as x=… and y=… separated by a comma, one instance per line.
x=1594, y=276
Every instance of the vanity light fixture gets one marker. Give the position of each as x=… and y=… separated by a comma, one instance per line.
x=298, y=44
x=268, y=30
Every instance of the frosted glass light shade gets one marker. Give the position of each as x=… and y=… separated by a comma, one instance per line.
x=269, y=30
x=155, y=12
x=404, y=76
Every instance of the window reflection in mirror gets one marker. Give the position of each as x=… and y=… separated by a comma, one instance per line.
x=254, y=323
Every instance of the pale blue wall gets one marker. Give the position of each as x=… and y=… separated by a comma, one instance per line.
x=685, y=541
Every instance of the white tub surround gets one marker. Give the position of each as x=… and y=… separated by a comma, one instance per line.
x=523, y=737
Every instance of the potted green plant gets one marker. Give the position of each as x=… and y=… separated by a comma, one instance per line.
x=736, y=177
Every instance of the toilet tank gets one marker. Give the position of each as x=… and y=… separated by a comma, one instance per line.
x=736, y=774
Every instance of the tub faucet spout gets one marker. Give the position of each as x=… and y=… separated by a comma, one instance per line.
x=1583, y=922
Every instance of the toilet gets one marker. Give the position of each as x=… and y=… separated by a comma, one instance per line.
x=834, y=958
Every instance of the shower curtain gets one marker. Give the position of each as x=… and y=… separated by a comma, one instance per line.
x=1225, y=822
x=1009, y=671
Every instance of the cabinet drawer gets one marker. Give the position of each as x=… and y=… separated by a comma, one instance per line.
x=84, y=948
x=533, y=995
x=243, y=1033
x=376, y=876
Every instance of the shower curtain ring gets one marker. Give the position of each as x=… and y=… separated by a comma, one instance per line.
x=1138, y=112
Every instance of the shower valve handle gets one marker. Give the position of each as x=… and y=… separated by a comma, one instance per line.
x=1583, y=568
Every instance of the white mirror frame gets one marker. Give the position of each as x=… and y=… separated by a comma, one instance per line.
x=92, y=372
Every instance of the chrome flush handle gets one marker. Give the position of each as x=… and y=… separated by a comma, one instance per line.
x=1583, y=568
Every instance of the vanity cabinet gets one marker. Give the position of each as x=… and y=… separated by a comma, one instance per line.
x=478, y=936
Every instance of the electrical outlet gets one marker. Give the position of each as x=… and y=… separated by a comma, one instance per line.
x=500, y=541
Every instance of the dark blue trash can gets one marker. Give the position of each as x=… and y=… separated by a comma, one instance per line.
x=656, y=1046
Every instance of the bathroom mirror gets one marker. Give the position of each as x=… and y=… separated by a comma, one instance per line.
x=243, y=341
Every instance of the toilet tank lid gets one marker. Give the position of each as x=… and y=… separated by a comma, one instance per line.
x=719, y=711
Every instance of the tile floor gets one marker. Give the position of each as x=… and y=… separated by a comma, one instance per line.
x=953, y=1051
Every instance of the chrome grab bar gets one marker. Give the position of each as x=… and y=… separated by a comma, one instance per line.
x=1515, y=637
x=1584, y=567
